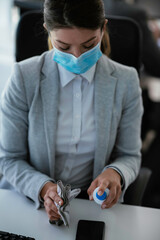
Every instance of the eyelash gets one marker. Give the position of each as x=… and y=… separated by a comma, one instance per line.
x=65, y=49
x=89, y=46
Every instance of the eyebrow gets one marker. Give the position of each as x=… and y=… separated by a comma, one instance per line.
x=81, y=43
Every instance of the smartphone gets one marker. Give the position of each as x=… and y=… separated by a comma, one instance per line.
x=90, y=230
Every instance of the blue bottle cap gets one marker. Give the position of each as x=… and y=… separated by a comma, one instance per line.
x=102, y=197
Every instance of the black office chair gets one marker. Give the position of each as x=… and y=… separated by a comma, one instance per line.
x=125, y=39
x=135, y=192
x=31, y=38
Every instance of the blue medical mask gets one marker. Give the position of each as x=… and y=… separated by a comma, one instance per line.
x=78, y=65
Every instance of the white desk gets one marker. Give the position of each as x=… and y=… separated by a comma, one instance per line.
x=123, y=222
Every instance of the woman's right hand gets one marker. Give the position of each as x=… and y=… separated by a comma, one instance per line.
x=50, y=196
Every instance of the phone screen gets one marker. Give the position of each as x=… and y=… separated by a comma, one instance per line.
x=90, y=230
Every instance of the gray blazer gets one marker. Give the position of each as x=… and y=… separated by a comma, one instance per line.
x=29, y=106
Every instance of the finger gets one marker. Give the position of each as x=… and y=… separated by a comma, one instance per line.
x=91, y=189
x=53, y=217
x=109, y=205
x=119, y=191
x=118, y=188
x=50, y=204
x=111, y=197
x=56, y=198
x=102, y=187
x=51, y=213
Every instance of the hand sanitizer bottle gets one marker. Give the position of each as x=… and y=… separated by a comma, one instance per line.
x=100, y=199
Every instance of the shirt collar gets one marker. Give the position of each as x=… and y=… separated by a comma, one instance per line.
x=66, y=76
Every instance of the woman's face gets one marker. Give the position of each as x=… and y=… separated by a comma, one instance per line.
x=75, y=40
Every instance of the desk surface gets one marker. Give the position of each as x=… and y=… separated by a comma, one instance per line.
x=123, y=222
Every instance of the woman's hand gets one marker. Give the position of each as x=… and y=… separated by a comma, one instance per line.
x=111, y=179
x=50, y=195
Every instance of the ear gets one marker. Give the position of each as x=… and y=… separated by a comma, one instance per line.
x=44, y=25
x=104, y=27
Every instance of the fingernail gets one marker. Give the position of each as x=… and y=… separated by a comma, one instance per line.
x=60, y=203
x=104, y=206
x=100, y=193
x=90, y=197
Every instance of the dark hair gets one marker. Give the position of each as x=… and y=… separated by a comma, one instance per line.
x=76, y=13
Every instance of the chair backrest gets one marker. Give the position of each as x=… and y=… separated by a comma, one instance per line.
x=125, y=38
x=31, y=38
x=135, y=192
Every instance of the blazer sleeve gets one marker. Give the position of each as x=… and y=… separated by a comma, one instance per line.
x=14, y=154
x=126, y=155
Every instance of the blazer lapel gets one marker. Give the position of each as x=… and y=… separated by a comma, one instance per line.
x=105, y=85
x=50, y=97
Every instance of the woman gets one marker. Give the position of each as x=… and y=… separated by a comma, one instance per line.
x=71, y=114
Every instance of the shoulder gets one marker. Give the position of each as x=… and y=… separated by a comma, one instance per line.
x=120, y=71
x=126, y=77
x=33, y=67
x=27, y=75
x=32, y=70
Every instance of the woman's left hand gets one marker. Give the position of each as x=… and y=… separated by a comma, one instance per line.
x=111, y=179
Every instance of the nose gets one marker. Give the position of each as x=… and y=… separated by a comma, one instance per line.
x=76, y=52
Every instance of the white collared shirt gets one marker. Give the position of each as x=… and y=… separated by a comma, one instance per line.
x=75, y=141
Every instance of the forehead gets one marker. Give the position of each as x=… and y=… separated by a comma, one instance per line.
x=74, y=35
